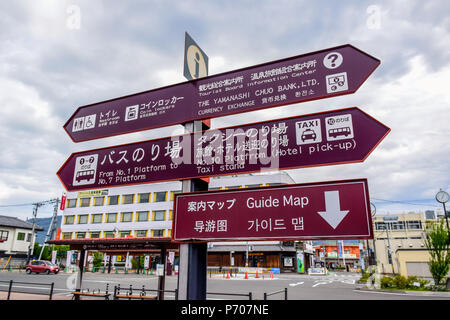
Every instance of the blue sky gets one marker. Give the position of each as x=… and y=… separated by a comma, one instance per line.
x=56, y=55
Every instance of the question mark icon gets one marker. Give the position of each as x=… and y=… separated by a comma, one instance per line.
x=333, y=60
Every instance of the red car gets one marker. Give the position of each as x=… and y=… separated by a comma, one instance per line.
x=42, y=266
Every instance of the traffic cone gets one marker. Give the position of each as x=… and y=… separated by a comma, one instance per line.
x=246, y=275
x=257, y=276
x=228, y=275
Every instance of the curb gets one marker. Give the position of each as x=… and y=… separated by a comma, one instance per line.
x=407, y=292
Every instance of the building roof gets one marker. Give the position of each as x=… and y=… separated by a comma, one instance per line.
x=118, y=244
x=14, y=222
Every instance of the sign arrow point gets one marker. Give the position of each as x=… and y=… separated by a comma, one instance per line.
x=333, y=213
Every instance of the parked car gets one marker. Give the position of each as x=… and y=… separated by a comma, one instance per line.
x=42, y=266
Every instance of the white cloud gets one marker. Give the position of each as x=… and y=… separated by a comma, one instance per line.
x=48, y=69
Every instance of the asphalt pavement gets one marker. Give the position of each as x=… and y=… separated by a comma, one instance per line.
x=334, y=286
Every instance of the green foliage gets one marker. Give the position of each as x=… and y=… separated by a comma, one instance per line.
x=437, y=243
x=402, y=283
x=134, y=263
x=98, y=259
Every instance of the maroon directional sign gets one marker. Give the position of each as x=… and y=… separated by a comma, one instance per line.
x=328, y=210
x=321, y=74
x=334, y=137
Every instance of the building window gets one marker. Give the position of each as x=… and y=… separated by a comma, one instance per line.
x=112, y=200
x=160, y=196
x=97, y=218
x=85, y=202
x=69, y=219
x=83, y=219
x=81, y=235
x=142, y=216
x=380, y=226
x=173, y=193
x=141, y=233
x=71, y=203
x=397, y=225
x=123, y=234
x=21, y=236
x=215, y=188
x=95, y=235
x=109, y=234
x=99, y=201
x=111, y=217
x=170, y=215
x=28, y=237
x=144, y=197
x=414, y=225
x=67, y=235
x=253, y=185
x=126, y=216
x=128, y=198
x=159, y=215
x=233, y=187
x=4, y=235
x=158, y=233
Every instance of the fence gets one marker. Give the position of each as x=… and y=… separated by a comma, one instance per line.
x=285, y=291
x=134, y=293
x=249, y=295
x=12, y=283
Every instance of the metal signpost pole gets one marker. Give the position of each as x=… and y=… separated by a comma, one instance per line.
x=193, y=256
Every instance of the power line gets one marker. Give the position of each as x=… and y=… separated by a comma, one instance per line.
x=408, y=202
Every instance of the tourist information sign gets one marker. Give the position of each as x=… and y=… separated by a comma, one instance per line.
x=329, y=210
x=321, y=74
x=326, y=138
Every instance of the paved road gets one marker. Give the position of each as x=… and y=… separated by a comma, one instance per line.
x=340, y=286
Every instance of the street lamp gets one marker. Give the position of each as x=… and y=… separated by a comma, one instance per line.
x=387, y=220
x=443, y=197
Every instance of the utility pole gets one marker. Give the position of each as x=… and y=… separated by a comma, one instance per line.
x=30, y=246
x=52, y=226
x=387, y=220
x=33, y=228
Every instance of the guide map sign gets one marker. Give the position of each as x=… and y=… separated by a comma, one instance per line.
x=328, y=210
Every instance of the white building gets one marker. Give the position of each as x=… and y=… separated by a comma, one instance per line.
x=15, y=239
x=146, y=211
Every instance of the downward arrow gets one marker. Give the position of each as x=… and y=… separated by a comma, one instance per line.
x=333, y=214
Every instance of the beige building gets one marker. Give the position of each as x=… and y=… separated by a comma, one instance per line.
x=406, y=237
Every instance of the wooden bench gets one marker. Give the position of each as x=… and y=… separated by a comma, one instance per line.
x=125, y=296
x=91, y=294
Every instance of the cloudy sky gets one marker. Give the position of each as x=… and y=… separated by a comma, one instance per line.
x=56, y=55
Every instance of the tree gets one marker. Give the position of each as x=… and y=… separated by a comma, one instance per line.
x=98, y=259
x=437, y=243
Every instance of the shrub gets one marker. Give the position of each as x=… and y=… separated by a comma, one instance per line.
x=399, y=282
x=386, y=282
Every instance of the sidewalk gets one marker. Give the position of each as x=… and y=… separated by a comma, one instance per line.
x=408, y=292
x=29, y=296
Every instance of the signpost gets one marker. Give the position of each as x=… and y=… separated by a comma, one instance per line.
x=333, y=137
x=317, y=75
x=329, y=210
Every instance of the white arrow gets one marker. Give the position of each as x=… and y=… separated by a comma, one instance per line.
x=333, y=213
